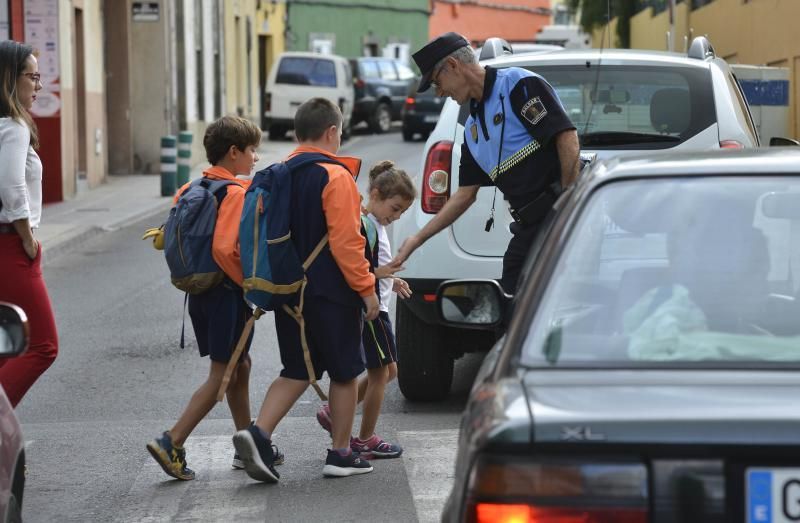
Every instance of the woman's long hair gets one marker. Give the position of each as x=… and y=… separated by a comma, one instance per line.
x=13, y=57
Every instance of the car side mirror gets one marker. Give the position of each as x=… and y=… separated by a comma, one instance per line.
x=14, y=331
x=476, y=304
x=779, y=141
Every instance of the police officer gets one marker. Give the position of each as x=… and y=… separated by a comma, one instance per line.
x=517, y=138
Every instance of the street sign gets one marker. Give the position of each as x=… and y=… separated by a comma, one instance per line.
x=145, y=11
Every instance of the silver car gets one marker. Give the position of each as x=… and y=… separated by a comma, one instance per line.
x=622, y=102
x=13, y=342
x=651, y=367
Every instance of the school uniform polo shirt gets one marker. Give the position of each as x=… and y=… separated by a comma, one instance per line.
x=508, y=135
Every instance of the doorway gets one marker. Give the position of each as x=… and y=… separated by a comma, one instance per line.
x=79, y=142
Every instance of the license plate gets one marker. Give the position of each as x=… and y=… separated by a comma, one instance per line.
x=773, y=495
x=431, y=118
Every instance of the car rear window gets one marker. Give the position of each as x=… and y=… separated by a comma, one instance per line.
x=387, y=70
x=306, y=71
x=637, y=107
x=676, y=271
x=369, y=69
x=614, y=106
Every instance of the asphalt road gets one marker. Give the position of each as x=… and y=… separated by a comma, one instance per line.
x=121, y=379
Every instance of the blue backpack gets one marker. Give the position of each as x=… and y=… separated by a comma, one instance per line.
x=189, y=233
x=273, y=272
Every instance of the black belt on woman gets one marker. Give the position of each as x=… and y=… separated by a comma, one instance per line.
x=7, y=228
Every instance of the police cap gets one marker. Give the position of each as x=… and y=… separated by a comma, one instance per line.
x=434, y=51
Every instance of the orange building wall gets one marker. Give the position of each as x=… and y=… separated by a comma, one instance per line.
x=477, y=20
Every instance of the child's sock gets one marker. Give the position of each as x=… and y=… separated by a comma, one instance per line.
x=344, y=452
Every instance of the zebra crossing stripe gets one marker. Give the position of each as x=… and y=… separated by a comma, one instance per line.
x=429, y=457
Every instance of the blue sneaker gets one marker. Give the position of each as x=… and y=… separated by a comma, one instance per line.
x=238, y=464
x=340, y=466
x=256, y=454
x=171, y=458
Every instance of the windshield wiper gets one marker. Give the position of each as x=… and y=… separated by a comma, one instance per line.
x=621, y=138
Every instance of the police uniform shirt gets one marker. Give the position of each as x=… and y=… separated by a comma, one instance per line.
x=533, y=115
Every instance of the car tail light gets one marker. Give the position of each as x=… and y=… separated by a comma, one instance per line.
x=436, y=177
x=731, y=144
x=268, y=102
x=358, y=83
x=516, y=490
x=410, y=101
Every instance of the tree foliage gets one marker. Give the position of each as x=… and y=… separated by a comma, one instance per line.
x=596, y=13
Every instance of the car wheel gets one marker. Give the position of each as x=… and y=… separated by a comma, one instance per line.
x=347, y=131
x=408, y=135
x=381, y=120
x=424, y=366
x=276, y=132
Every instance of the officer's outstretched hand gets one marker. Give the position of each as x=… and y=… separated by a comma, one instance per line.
x=409, y=245
x=388, y=270
x=371, y=306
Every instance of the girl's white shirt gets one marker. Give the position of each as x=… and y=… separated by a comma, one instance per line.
x=20, y=174
x=384, y=257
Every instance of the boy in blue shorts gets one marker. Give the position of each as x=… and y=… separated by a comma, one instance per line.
x=219, y=314
x=340, y=289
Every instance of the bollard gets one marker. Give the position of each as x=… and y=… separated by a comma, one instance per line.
x=168, y=166
x=184, y=157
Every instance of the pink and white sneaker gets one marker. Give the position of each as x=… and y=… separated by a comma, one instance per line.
x=375, y=448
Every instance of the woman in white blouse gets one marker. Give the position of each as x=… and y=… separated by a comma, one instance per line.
x=21, y=279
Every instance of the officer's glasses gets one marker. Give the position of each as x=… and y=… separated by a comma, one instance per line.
x=435, y=77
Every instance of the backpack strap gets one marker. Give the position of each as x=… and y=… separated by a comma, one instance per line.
x=237, y=352
x=215, y=187
x=372, y=232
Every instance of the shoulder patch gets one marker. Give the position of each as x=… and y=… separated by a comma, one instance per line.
x=534, y=110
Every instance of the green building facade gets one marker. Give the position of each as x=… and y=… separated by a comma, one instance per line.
x=353, y=28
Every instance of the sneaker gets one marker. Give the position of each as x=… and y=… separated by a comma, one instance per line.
x=342, y=466
x=171, y=458
x=324, y=418
x=278, y=460
x=375, y=448
x=256, y=454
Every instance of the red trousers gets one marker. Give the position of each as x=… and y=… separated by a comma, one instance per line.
x=22, y=284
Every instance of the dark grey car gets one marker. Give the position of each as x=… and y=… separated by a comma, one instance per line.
x=651, y=367
x=380, y=87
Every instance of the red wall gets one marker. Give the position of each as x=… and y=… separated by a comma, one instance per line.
x=477, y=22
x=49, y=128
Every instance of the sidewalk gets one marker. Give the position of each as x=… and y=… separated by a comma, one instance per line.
x=120, y=201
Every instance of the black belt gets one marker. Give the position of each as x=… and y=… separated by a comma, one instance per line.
x=7, y=228
x=534, y=211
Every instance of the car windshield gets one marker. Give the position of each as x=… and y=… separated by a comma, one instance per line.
x=671, y=271
x=652, y=107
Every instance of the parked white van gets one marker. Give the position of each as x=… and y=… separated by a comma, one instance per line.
x=298, y=76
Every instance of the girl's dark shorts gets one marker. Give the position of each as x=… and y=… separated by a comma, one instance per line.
x=333, y=334
x=218, y=317
x=378, y=339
